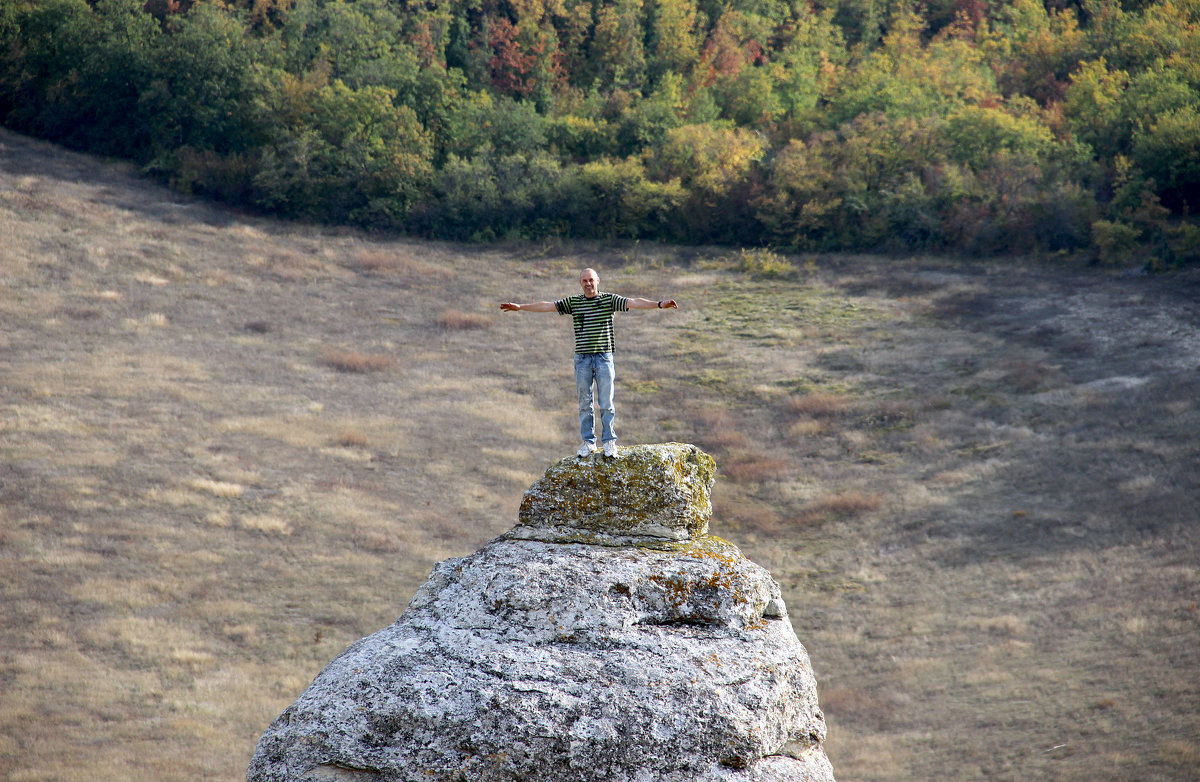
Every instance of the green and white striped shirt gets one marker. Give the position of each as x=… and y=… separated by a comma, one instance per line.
x=593, y=319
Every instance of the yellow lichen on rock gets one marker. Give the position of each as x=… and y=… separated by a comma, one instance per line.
x=646, y=493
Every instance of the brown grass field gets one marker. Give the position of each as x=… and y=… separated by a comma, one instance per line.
x=229, y=447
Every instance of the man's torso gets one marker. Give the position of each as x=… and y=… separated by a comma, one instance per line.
x=593, y=320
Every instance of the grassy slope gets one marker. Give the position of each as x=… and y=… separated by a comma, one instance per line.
x=229, y=447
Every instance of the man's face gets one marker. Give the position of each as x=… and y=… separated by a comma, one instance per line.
x=590, y=282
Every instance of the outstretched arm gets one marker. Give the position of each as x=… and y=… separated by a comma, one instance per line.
x=651, y=304
x=533, y=306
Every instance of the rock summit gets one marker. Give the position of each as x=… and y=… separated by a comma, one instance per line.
x=605, y=637
x=649, y=493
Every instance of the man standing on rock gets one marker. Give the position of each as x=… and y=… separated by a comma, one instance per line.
x=592, y=314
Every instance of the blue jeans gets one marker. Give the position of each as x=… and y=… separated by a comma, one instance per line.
x=595, y=368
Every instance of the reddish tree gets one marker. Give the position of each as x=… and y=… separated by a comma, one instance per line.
x=522, y=63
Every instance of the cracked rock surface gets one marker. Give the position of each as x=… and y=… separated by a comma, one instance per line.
x=541, y=661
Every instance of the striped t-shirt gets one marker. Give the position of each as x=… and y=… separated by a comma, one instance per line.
x=593, y=319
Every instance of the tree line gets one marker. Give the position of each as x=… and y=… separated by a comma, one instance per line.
x=966, y=126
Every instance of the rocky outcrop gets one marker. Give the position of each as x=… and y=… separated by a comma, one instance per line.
x=546, y=657
x=650, y=493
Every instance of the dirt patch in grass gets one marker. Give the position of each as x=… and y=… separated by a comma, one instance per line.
x=976, y=482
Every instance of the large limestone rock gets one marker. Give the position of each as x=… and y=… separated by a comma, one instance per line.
x=660, y=660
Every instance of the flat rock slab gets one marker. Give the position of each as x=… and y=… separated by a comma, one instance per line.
x=646, y=493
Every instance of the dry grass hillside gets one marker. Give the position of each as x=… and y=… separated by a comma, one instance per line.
x=229, y=447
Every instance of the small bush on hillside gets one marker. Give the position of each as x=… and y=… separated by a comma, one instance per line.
x=754, y=467
x=356, y=362
x=762, y=263
x=1114, y=242
x=1183, y=243
x=456, y=320
x=847, y=504
x=351, y=438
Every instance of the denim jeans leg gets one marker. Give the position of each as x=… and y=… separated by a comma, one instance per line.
x=605, y=377
x=584, y=373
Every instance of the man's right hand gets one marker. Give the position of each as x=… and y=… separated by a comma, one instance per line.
x=531, y=306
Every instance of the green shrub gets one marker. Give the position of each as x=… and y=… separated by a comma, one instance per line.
x=577, y=137
x=229, y=178
x=354, y=156
x=1183, y=244
x=491, y=197
x=762, y=262
x=500, y=125
x=1169, y=152
x=974, y=134
x=706, y=158
x=614, y=198
x=1114, y=242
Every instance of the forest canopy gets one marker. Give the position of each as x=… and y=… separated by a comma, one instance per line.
x=965, y=126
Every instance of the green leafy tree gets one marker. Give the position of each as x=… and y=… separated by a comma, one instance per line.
x=830, y=192
x=578, y=138
x=574, y=29
x=862, y=20
x=1035, y=50
x=907, y=78
x=496, y=125
x=363, y=44
x=974, y=135
x=675, y=37
x=707, y=159
x=203, y=85
x=614, y=198
x=81, y=75
x=10, y=27
x=352, y=38
x=806, y=67
x=38, y=59
x=734, y=66
x=1093, y=106
x=618, y=52
x=491, y=197
x=1135, y=38
x=1145, y=117
x=644, y=124
x=747, y=95
x=1168, y=151
x=366, y=43
x=716, y=166
x=356, y=156
x=804, y=199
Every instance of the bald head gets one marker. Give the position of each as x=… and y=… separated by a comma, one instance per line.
x=590, y=282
